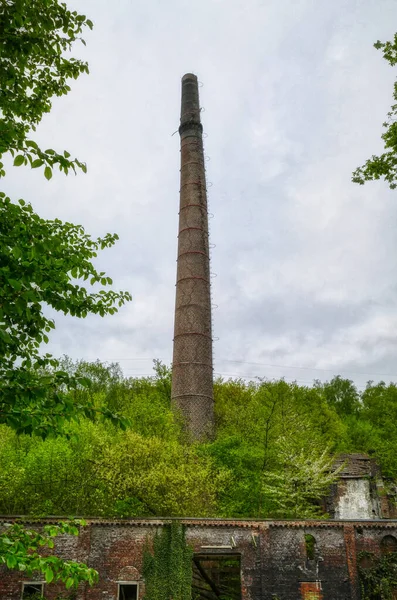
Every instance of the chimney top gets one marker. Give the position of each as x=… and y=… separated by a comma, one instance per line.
x=189, y=76
x=190, y=106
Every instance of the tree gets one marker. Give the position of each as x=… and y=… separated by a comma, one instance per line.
x=33, y=68
x=42, y=262
x=342, y=395
x=384, y=165
x=20, y=548
x=152, y=476
x=251, y=419
x=380, y=413
x=303, y=479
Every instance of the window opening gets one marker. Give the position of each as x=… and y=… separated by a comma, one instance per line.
x=388, y=544
x=216, y=576
x=32, y=590
x=128, y=591
x=310, y=543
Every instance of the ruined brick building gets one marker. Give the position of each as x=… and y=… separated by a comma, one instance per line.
x=255, y=560
x=234, y=560
x=247, y=559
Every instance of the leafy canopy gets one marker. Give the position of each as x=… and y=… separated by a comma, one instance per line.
x=272, y=456
x=42, y=262
x=385, y=165
x=35, y=34
x=20, y=548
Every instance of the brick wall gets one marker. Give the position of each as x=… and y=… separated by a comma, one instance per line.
x=275, y=563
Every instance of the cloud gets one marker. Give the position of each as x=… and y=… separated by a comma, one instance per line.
x=295, y=96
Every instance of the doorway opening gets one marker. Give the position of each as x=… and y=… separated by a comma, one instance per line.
x=216, y=577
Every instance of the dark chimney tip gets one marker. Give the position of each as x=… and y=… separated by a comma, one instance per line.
x=189, y=76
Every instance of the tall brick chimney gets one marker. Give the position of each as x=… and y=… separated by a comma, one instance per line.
x=192, y=372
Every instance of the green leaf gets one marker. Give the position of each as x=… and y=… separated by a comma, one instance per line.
x=17, y=285
x=11, y=561
x=5, y=336
x=37, y=163
x=19, y=160
x=48, y=173
x=69, y=583
x=49, y=575
x=84, y=381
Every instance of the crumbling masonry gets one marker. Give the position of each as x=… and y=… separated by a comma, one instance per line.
x=273, y=556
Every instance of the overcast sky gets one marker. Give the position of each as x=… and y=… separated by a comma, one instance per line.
x=294, y=96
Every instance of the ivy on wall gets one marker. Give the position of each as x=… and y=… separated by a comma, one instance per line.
x=167, y=567
x=378, y=576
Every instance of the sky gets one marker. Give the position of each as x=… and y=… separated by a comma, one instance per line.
x=294, y=95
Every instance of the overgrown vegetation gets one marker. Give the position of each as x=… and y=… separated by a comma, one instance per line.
x=23, y=547
x=378, y=578
x=42, y=262
x=271, y=457
x=167, y=566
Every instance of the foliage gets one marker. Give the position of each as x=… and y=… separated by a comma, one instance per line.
x=310, y=544
x=342, y=395
x=42, y=262
x=379, y=408
x=304, y=478
x=109, y=389
x=168, y=568
x=156, y=477
x=384, y=165
x=148, y=470
x=22, y=549
x=253, y=420
x=272, y=455
x=106, y=473
x=379, y=581
x=35, y=35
